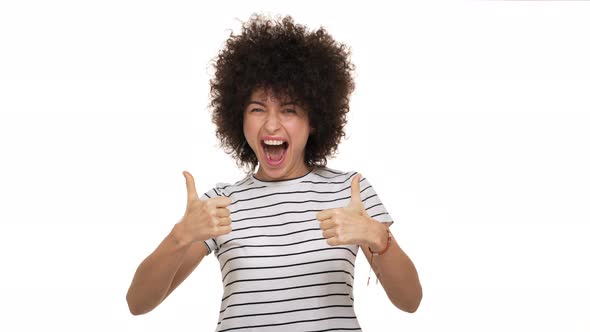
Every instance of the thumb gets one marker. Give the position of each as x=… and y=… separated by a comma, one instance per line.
x=355, y=193
x=190, y=187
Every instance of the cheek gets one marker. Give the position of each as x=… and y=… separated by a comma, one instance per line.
x=300, y=134
x=249, y=129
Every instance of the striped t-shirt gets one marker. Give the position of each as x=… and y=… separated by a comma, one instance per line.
x=278, y=271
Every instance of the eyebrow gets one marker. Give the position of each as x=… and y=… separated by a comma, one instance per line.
x=263, y=104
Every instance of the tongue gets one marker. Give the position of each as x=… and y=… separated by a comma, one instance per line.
x=275, y=152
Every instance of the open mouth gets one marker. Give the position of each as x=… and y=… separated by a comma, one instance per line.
x=274, y=151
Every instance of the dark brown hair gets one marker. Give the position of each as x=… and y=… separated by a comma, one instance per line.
x=307, y=66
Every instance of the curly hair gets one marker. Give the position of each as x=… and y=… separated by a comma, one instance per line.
x=309, y=67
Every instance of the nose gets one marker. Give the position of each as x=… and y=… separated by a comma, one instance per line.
x=273, y=122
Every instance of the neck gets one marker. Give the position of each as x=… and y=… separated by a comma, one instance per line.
x=261, y=174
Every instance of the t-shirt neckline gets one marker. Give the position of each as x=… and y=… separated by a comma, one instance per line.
x=273, y=183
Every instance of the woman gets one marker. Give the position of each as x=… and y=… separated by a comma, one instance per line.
x=286, y=236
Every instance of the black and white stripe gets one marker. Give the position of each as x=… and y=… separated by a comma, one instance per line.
x=277, y=269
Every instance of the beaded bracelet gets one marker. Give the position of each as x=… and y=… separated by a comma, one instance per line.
x=389, y=237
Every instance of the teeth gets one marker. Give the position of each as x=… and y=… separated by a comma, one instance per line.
x=272, y=142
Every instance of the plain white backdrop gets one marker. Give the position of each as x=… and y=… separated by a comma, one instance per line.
x=470, y=118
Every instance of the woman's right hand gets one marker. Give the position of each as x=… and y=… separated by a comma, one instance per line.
x=204, y=219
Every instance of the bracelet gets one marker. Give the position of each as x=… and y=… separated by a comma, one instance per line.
x=389, y=236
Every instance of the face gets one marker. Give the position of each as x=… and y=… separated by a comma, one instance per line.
x=277, y=131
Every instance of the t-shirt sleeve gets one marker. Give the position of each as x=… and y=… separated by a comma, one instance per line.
x=211, y=243
x=373, y=205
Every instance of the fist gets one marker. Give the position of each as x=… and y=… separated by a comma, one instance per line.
x=204, y=219
x=347, y=225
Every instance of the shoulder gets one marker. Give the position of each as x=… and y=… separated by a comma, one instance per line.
x=332, y=174
x=226, y=189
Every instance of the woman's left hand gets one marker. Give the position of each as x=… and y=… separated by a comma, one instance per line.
x=350, y=224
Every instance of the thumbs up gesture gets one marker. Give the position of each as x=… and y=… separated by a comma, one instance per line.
x=204, y=219
x=350, y=224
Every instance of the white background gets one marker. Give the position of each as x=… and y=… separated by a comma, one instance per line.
x=471, y=119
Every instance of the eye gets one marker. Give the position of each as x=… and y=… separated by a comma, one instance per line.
x=256, y=110
x=290, y=110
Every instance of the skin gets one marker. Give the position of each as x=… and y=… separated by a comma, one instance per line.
x=265, y=115
x=183, y=248
x=180, y=252
x=352, y=225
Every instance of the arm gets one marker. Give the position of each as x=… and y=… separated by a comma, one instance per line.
x=162, y=271
x=394, y=269
x=180, y=252
x=352, y=225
